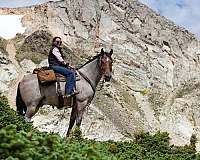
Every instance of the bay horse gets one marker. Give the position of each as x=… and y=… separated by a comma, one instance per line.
x=31, y=95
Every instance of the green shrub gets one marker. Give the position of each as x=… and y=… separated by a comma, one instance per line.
x=8, y=116
x=19, y=140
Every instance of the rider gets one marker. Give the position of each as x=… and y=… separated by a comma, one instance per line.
x=57, y=63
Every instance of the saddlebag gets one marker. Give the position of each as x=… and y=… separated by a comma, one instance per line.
x=45, y=76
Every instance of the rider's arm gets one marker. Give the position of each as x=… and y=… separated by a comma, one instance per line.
x=57, y=54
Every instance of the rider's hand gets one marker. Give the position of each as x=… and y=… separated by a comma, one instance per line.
x=71, y=66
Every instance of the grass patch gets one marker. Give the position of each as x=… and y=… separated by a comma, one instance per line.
x=186, y=88
x=157, y=100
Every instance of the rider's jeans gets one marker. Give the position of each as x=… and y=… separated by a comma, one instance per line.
x=70, y=76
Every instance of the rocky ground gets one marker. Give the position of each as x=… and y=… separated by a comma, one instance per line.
x=155, y=82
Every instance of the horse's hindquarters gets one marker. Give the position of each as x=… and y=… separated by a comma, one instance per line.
x=30, y=89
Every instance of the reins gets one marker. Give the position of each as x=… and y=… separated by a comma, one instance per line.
x=88, y=80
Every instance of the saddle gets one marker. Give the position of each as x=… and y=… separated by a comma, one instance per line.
x=47, y=76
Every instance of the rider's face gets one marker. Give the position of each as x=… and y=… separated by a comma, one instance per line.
x=58, y=42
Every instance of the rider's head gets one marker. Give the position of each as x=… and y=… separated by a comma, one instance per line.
x=57, y=41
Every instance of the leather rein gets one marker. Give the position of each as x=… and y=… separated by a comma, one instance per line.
x=89, y=81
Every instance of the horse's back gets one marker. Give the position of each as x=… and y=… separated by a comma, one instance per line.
x=29, y=88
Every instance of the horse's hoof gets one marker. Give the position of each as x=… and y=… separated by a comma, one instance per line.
x=27, y=119
x=67, y=135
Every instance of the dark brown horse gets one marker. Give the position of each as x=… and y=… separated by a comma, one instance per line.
x=31, y=95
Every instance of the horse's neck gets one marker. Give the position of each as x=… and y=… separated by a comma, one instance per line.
x=92, y=72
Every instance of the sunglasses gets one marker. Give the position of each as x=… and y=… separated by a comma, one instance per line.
x=58, y=42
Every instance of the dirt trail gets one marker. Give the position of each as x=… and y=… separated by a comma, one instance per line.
x=10, y=48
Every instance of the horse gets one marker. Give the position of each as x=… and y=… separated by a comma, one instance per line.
x=31, y=95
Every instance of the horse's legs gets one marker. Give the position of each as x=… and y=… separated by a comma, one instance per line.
x=79, y=118
x=76, y=115
x=80, y=110
x=72, y=120
x=32, y=110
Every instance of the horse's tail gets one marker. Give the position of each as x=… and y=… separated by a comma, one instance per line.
x=21, y=106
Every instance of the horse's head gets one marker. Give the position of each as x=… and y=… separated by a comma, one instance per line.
x=106, y=64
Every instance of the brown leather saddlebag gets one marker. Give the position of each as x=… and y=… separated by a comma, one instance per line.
x=45, y=76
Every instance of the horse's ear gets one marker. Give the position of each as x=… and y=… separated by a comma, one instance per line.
x=102, y=51
x=111, y=52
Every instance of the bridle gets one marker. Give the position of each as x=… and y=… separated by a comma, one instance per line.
x=104, y=60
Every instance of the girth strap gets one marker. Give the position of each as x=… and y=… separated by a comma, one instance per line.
x=60, y=98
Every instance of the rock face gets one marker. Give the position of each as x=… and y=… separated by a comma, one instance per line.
x=95, y=124
x=7, y=69
x=156, y=78
x=3, y=53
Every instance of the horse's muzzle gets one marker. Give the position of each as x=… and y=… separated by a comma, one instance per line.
x=107, y=78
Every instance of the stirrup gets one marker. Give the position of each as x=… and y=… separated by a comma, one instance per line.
x=75, y=92
x=70, y=95
x=66, y=96
x=78, y=78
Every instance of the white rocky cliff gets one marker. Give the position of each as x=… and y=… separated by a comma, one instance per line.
x=156, y=78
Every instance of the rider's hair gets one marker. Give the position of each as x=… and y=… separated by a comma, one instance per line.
x=54, y=39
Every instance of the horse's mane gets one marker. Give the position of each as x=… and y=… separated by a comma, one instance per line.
x=90, y=60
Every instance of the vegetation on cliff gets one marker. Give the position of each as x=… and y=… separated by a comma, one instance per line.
x=3, y=46
x=20, y=140
x=36, y=47
x=3, y=53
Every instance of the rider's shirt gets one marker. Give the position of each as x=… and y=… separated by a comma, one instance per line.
x=55, y=57
x=57, y=54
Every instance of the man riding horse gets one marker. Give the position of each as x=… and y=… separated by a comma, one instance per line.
x=57, y=63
